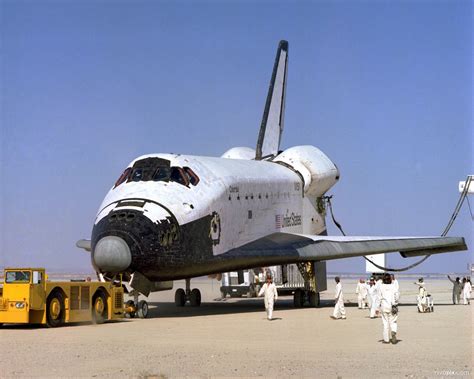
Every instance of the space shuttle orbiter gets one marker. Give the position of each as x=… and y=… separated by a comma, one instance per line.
x=175, y=216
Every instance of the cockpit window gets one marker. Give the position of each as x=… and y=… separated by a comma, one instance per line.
x=123, y=177
x=193, y=178
x=137, y=174
x=161, y=174
x=158, y=170
x=144, y=170
x=142, y=174
x=179, y=176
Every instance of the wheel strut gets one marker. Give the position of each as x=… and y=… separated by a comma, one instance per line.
x=188, y=288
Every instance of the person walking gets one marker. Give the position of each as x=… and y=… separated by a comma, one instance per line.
x=395, y=283
x=271, y=295
x=388, y=302
x=339, y=311
x=457, y=289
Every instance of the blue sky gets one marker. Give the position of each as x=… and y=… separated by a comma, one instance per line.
x=383, y=88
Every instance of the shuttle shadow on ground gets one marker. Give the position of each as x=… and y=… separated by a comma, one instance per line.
x=226, y=306
x=169, y=310
x=238, y=306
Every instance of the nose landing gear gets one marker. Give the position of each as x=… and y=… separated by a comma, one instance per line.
x=135, y=307
x=193, y=296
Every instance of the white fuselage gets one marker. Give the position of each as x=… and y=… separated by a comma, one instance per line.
x=241, y=201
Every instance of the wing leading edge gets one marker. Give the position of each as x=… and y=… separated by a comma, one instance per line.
x=279, y=247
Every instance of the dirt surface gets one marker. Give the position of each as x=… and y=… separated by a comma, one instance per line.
x=231, y=337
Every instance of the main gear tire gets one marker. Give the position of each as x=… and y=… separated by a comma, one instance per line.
x=314, y=299
x=298, y=298
x=180, y=297
x=195, y=298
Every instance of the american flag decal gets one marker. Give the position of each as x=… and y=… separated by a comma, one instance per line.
x=278, y=221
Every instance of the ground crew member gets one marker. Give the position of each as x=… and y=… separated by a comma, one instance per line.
x=466, y=292
x=388, y=302
x=361, y=292
x=271, y=295
x=395, y=283
x=373, y=298
x=378, y=283
x=339, y=311
x=421, y=298
x=457, y=289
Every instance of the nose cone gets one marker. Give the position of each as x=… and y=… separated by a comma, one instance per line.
x=112, y=254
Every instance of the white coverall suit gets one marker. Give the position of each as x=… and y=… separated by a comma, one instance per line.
x=457, y=289
x=361, y=292
x=421, y=298
x=396, y=285
x=373, y=300
x=271, y=295
x=339, y=311
x=466, y=293
x=388, y=296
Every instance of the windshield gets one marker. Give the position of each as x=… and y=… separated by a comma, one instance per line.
x=17, y=277
x=158, y=170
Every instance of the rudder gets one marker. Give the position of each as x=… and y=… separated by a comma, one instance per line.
x=271, y=127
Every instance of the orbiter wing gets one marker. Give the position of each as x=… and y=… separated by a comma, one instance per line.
x=288, y=247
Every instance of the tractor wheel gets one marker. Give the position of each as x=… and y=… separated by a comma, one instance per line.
x=55, y=310
x=99, y=307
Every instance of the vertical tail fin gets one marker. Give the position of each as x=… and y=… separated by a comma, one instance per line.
x=271, y=128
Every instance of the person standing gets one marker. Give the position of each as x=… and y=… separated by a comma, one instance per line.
x=388, y=302
x=361, y=292
x=339, y=311
x=271, y=295
x=457, y=289
x=373, y=298
x=421, y=298
x=466, y=291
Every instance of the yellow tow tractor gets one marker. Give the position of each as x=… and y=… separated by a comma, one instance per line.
x=27, y=297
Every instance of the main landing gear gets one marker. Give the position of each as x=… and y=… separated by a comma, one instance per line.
x=193, y=296
x=301, y=297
